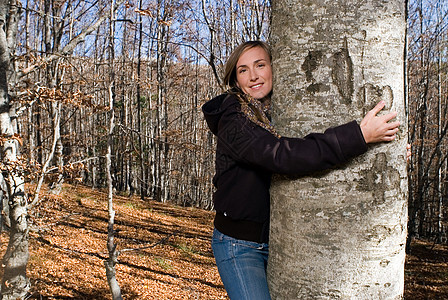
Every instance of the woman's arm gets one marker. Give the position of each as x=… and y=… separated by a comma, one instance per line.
x=248, y=143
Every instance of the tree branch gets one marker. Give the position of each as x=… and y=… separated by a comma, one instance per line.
x=71, y=45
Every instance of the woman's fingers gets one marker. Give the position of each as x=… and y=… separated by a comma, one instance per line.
x=389, y=116
x=391, y=131
x=380, y=105
x=388, y=138
x=393, y=125
x=374, y=111
x=408, y=152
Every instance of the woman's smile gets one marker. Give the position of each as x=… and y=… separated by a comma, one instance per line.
x=254, y=73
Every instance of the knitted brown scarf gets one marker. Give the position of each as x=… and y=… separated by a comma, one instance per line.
x=253, y=109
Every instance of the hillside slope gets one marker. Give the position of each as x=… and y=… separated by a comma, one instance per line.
x=165, y=249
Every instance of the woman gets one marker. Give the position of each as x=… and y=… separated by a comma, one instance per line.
x=249, y=150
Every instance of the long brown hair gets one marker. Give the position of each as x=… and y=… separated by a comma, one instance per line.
x=251, y=107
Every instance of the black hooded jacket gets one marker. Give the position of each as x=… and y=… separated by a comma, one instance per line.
x=247, y=155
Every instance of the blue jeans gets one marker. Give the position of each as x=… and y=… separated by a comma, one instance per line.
x=242, y=267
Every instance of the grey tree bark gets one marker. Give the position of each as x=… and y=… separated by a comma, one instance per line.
x=339, y=234
x=15, y=284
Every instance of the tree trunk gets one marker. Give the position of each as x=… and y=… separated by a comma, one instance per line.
x=339, y=234
x=15, y=284
x=56, y=116
x=111, y=246
x=139, y=108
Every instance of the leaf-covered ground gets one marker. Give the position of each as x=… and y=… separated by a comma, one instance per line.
x=165, y=251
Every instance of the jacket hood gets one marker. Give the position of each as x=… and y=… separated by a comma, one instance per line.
x=214, y=109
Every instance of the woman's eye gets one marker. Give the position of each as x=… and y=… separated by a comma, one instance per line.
x=260, y=65
x=242, y=70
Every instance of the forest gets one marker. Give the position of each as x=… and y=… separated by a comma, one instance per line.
x=108, y=94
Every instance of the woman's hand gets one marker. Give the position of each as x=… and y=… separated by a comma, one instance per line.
x=377, y=129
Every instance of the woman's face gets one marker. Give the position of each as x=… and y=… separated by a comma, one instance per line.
x=254, y=73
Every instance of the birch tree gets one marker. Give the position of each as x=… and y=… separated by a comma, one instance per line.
x=339, y=234
x=15, y=284
x=111, y=246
